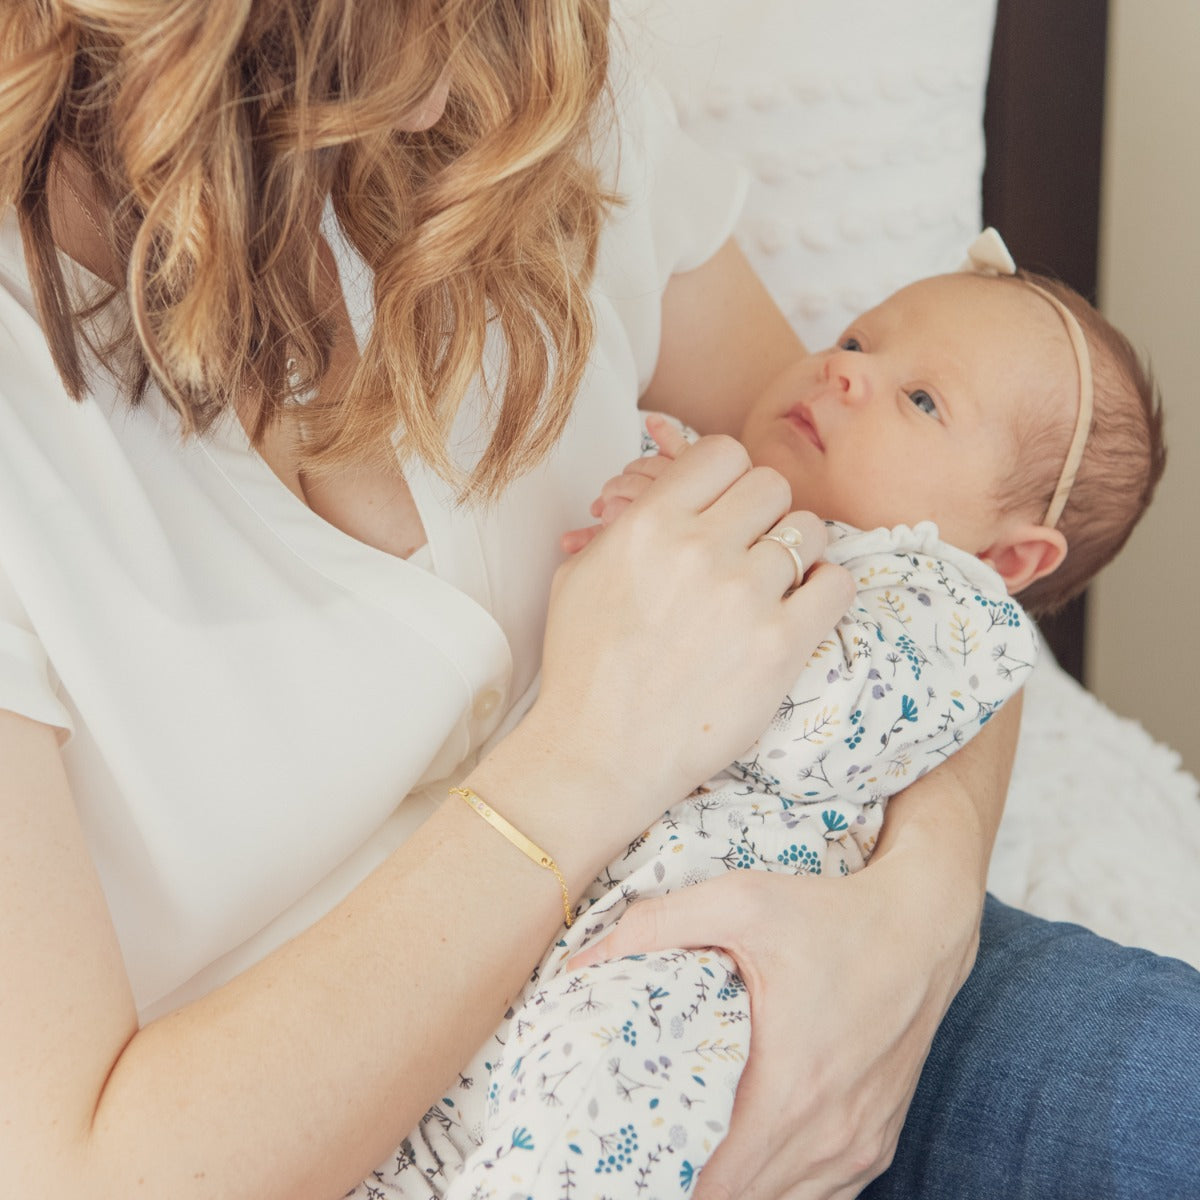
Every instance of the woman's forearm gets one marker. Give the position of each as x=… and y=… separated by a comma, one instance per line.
x=945, y=825
x=963, y=799
x=723, y=340
x=299, y=1076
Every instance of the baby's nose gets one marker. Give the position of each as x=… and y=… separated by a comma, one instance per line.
x=846, y=370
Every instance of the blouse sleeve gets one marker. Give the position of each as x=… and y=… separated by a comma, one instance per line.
x=677, y=204
x=697, y=194
x=27, y=682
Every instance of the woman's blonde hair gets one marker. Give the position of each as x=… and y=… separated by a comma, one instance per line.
x=214, y=131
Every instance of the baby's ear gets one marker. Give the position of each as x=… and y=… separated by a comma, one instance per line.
x=1024, y=553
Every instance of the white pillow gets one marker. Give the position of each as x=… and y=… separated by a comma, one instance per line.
x=861, y=122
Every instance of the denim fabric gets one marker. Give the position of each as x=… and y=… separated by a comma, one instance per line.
x=1068, y=1068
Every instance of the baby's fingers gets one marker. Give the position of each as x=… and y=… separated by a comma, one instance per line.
x=574, y=540
x=667, y=435
x=622, y=490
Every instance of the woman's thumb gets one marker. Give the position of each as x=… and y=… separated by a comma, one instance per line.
x=683, y=920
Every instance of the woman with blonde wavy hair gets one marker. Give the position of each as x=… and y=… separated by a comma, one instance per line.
x=319, y=322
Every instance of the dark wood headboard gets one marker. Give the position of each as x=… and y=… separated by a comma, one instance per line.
x=1041, y=184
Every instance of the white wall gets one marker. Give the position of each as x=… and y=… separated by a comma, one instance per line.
x=1143, y=655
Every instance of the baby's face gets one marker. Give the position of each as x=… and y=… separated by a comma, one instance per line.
x=914, y=414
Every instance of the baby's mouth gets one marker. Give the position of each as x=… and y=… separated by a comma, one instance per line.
x=801, y=418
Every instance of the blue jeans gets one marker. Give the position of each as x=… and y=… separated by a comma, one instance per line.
x=1068, y=1068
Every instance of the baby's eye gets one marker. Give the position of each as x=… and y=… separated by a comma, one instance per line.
x=850, y=343
x=925, y=402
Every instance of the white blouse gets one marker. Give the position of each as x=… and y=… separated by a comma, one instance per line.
x=246, y=693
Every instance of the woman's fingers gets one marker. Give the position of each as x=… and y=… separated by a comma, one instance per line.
x=811, y=611
x=747, y=1147
x=790, y=548
x=783, y=551
x=830, y=1072
x=750, y=1164
x=704, y=474
x=752, y=504
x=687, y=920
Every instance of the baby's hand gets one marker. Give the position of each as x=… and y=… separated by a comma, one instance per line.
x=622, y=490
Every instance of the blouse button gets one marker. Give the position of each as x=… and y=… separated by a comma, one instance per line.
x=486, y=703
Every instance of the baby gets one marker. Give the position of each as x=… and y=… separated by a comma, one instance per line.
x=974, y=437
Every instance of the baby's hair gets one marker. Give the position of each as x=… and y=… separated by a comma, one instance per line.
x=1122, y=462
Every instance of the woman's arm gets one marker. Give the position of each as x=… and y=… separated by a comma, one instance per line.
x=958, y=806
x=293, y=1080
x=296, y=1078
x=723, y=340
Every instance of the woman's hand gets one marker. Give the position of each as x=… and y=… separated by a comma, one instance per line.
x=848, y=982
x=670, y=640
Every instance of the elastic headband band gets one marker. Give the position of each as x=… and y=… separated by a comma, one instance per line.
x=988, y=255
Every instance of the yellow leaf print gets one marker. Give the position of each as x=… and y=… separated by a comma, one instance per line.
x=824, y=648
x=892, y=604
x=820, y=728
x=963, y=636
x=875, y=576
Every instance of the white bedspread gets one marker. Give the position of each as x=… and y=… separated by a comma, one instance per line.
x=1102, y=825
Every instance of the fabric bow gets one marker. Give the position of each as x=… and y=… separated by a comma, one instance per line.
x=988, y=255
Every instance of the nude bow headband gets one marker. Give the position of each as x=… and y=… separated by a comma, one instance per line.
x=988, y=255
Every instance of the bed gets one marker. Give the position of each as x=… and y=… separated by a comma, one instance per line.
x=861, y=125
